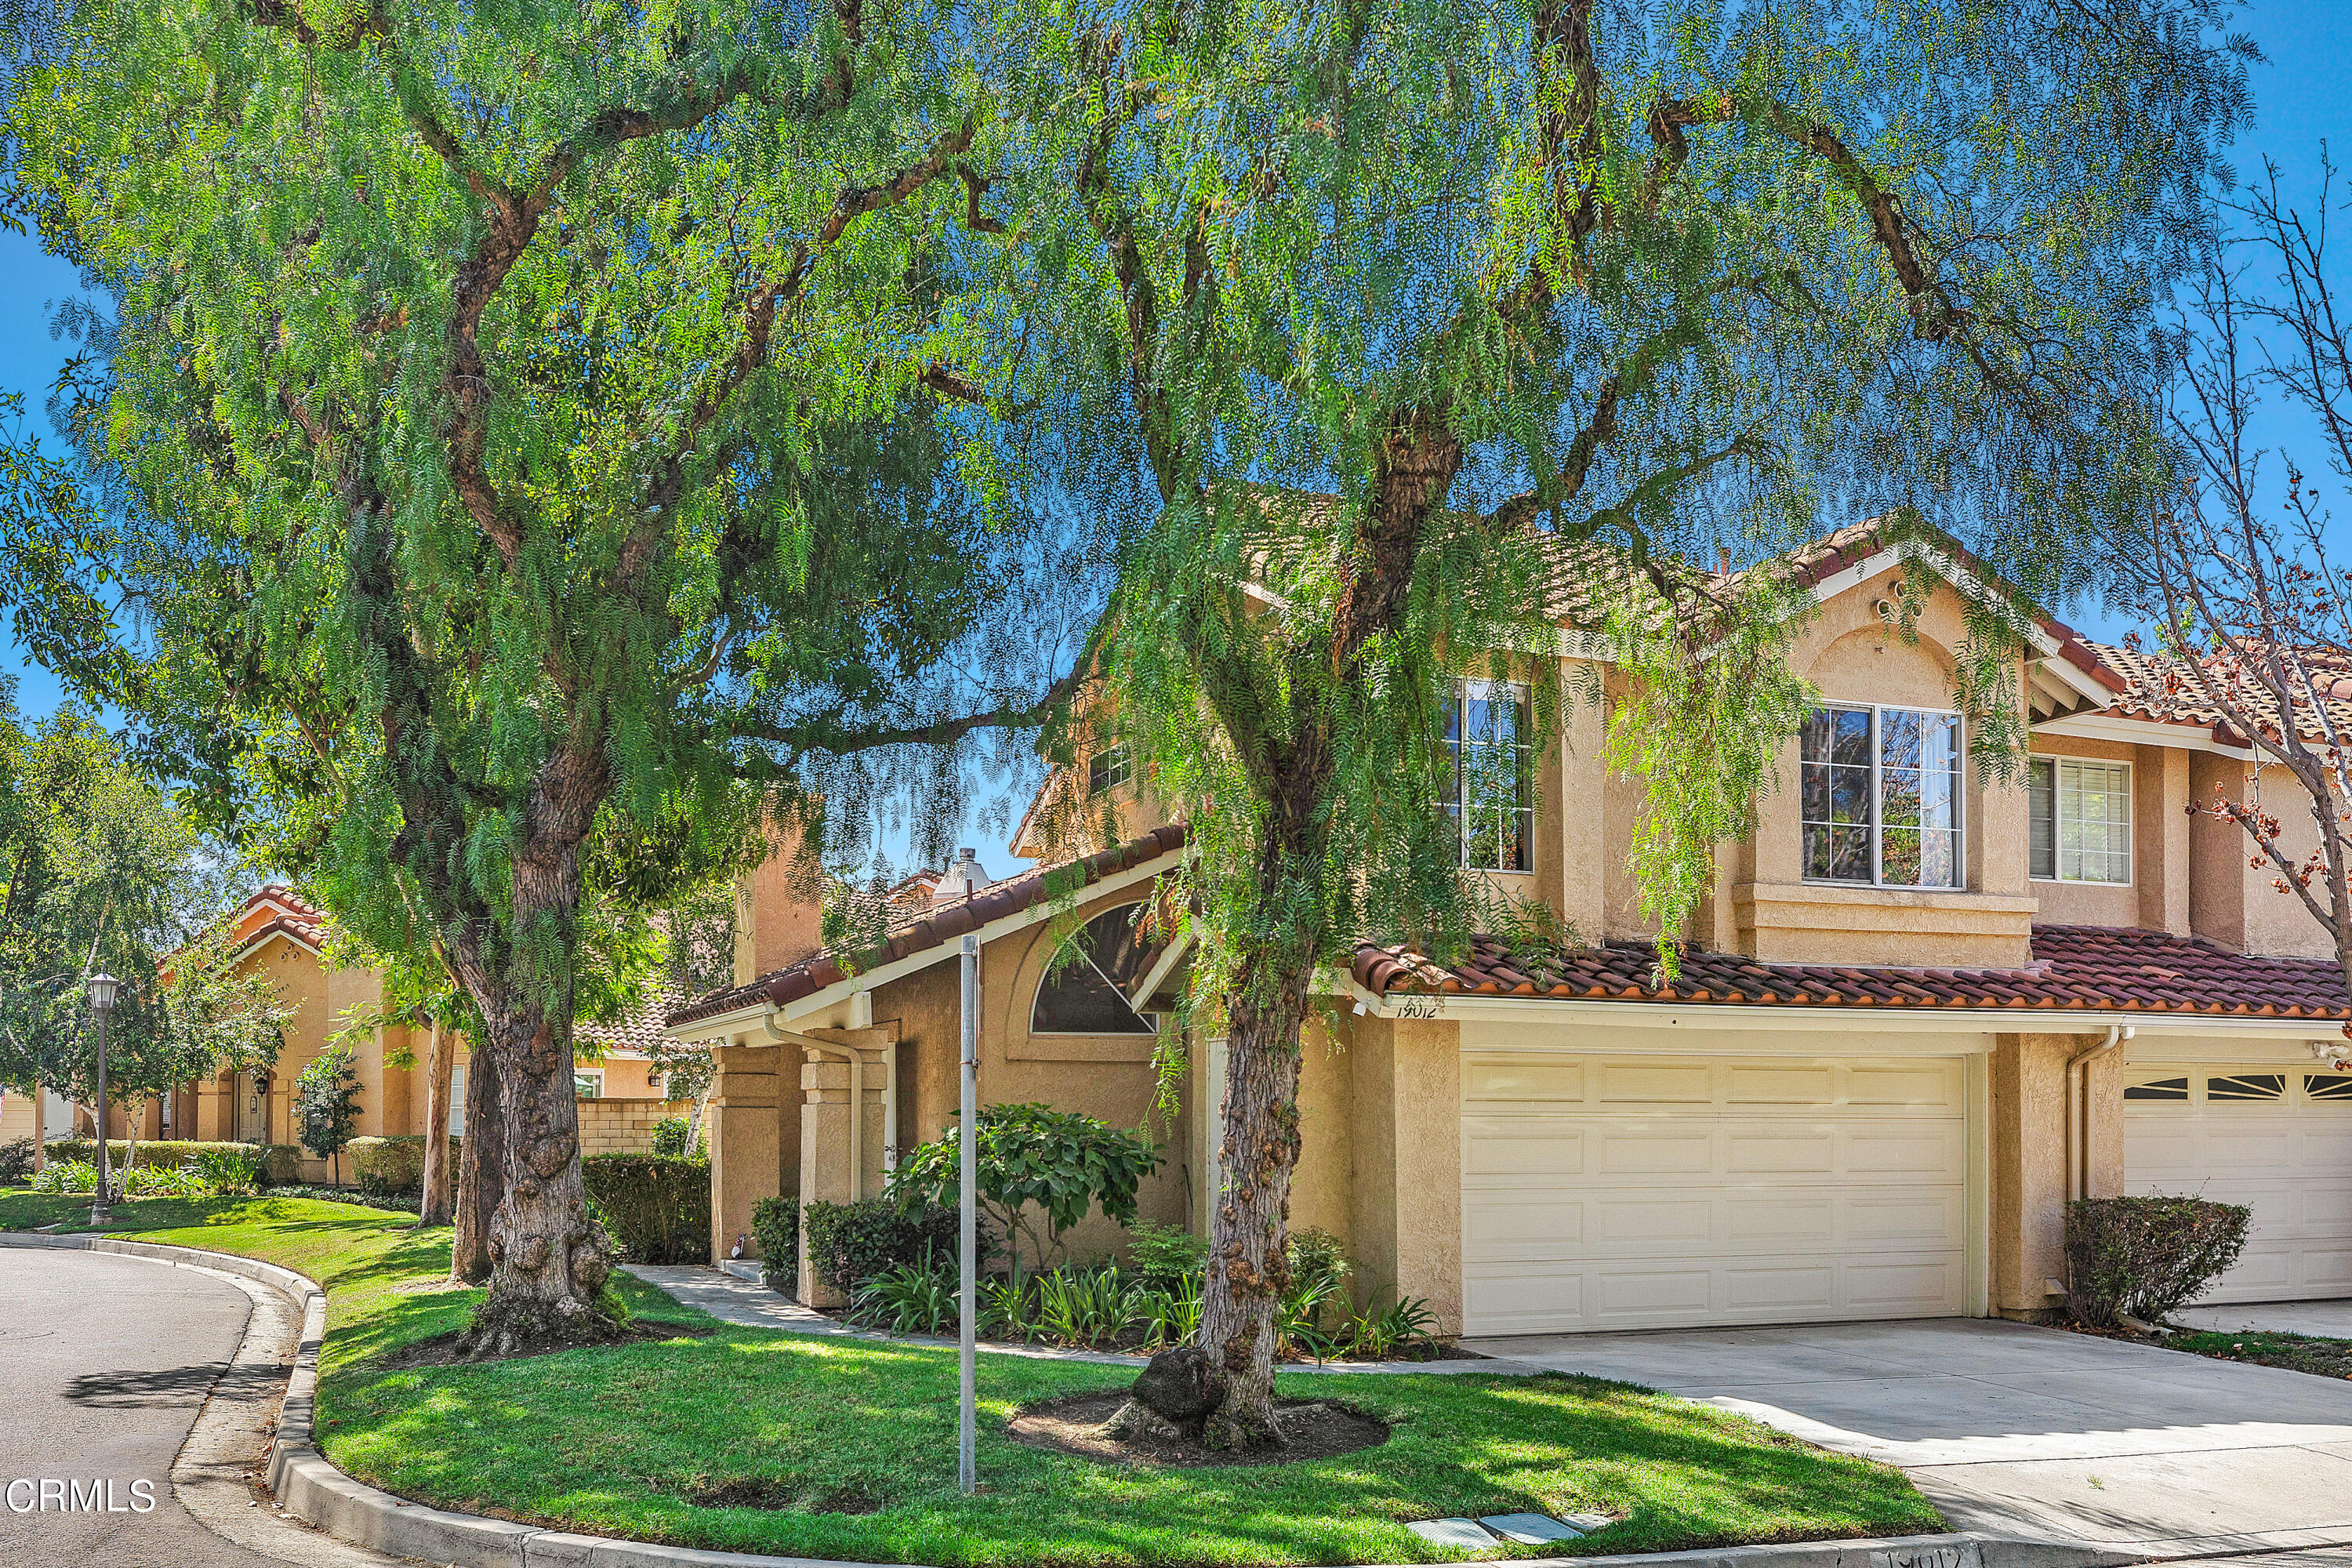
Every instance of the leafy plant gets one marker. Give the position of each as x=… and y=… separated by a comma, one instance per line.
x=1314, y=1254
x=1171, y=1313
x=1377, y=1336
x=1164, y=1254
x=165, y=1181
x=232, y=1168
x=1298, y=1319
x=1087, y=1306
x=776, y=1226
x=849, y=1244
x=674, y=1136
x=2147, y=1257
x=327, y=1104
x=1008, y=1309
x=917, y=1298
x=66, y=1176
x=1057, y=1163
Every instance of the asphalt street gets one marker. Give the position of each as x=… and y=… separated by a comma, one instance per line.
x=107, y=1362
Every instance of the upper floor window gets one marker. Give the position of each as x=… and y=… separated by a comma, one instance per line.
x=2080, y=817
x=1882, y=796
x=1108, y=769
x=1492, y=804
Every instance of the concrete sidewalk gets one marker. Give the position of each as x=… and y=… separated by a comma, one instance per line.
x=2016, y=1430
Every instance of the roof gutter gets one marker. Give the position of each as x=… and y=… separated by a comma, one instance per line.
x=1797, y=1015
x=2080, y=1116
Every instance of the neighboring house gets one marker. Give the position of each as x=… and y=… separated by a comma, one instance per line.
x=278, y=931
x=1923, y=1009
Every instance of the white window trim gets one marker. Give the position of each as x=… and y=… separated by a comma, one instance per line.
x=1478, y=687
x=1877, y=826
x=596, y=1073
x=2057, y=826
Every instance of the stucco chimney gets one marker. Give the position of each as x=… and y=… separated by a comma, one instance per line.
x=963, y=878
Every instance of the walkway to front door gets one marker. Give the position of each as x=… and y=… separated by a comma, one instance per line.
x=2023, y=1431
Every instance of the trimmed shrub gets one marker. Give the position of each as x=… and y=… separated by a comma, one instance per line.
x=849, y=1244
x=388, y=1166
x=2147, y=1257
x=15, y=1158
x=280, y=1164
x=776, y=1226
x=671, y=1134
x=166, y=1151
x=657, y=1207
x=345, y=1196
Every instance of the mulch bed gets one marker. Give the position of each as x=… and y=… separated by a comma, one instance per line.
x=1318, y=1429
x=442, y=1350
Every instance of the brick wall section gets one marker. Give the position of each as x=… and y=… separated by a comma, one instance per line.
x=622, y=1126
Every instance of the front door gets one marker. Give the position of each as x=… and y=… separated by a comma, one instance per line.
x=252, y=1107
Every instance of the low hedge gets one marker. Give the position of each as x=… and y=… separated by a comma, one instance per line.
x=776, y=1226
x=280, y=1162
x=656, y=1206
x=849, y=1244
x=2147, y=1257
x=394, y=1166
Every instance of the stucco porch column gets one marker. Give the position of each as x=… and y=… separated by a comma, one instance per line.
x=1406, y=1109
x=832, y=1171
x=745, y=1131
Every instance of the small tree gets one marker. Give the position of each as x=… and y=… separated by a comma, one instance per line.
x=1034, y=1159
x=327, y=1105
x=2253, y=618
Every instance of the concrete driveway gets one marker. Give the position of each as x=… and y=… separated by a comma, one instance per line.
x=2328, y=1320
x=2024, y=1431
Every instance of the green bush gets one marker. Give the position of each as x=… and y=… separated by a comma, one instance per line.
x=166, y=1151
x=280, y=1164
x=849, y=1244
x=229, y=1167
x=66, y=1176
x=15, y=1158
x=345, y=1195
x=656, y=1206
x=1164, y=1255
x=670, y=1136
x=776, y=1226
x=1033, y=1159
x=2147, y=1257
x=909, y=1298
x=388, y=1166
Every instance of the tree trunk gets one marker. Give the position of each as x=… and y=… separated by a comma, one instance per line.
x=550, y=1260
x=481, y=1172
x=432, y=1189
x=1248, y=1272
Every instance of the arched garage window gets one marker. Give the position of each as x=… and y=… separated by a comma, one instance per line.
x=1088, y=988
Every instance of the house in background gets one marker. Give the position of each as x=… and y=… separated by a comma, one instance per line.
x=278, y=933
x=1924, y=1006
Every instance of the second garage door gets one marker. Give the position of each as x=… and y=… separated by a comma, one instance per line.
x=2278, y=1140
x=1640, y=1193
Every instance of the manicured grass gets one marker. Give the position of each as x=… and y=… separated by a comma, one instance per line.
x=2297, y=1353
x=620, y=1441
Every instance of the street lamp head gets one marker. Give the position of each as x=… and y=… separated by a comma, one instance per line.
x=101, y=987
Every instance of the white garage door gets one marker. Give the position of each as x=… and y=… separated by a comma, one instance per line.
x=2278, y=1140
x=1642, y=1192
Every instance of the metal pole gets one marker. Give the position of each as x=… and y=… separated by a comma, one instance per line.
x=968, y=1167
x=98, y=1214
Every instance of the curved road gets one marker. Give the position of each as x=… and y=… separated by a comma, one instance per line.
x=107, y=1362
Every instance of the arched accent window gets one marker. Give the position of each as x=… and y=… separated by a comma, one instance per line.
x=1089, y=987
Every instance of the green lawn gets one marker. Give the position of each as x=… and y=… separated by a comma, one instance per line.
x=2297, y=1353
x=619, y=1441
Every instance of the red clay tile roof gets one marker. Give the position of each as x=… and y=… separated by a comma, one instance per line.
x=641, y=1030
x=2085, y=968
x=2163, y=689
x=917, y=928
x=296, y=916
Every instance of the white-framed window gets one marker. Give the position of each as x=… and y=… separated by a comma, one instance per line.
x=2080, y=820
x=1881, y=796
x=1493, y=802
x=588, y=1083
x=1109, y=768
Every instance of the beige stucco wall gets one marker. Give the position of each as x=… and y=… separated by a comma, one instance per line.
x=2032, y=1152
x=1405, y=1122
x=2232, y=901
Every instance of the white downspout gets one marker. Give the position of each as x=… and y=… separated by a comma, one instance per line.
x=2079, y=1117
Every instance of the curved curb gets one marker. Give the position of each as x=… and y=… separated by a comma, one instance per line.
x=314, y=1489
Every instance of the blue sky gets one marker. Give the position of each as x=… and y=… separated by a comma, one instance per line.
x=2299, y=106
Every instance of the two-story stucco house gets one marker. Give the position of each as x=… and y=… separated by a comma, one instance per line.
x=1924, y=1007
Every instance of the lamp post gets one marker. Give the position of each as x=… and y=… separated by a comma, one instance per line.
x=101, y=987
